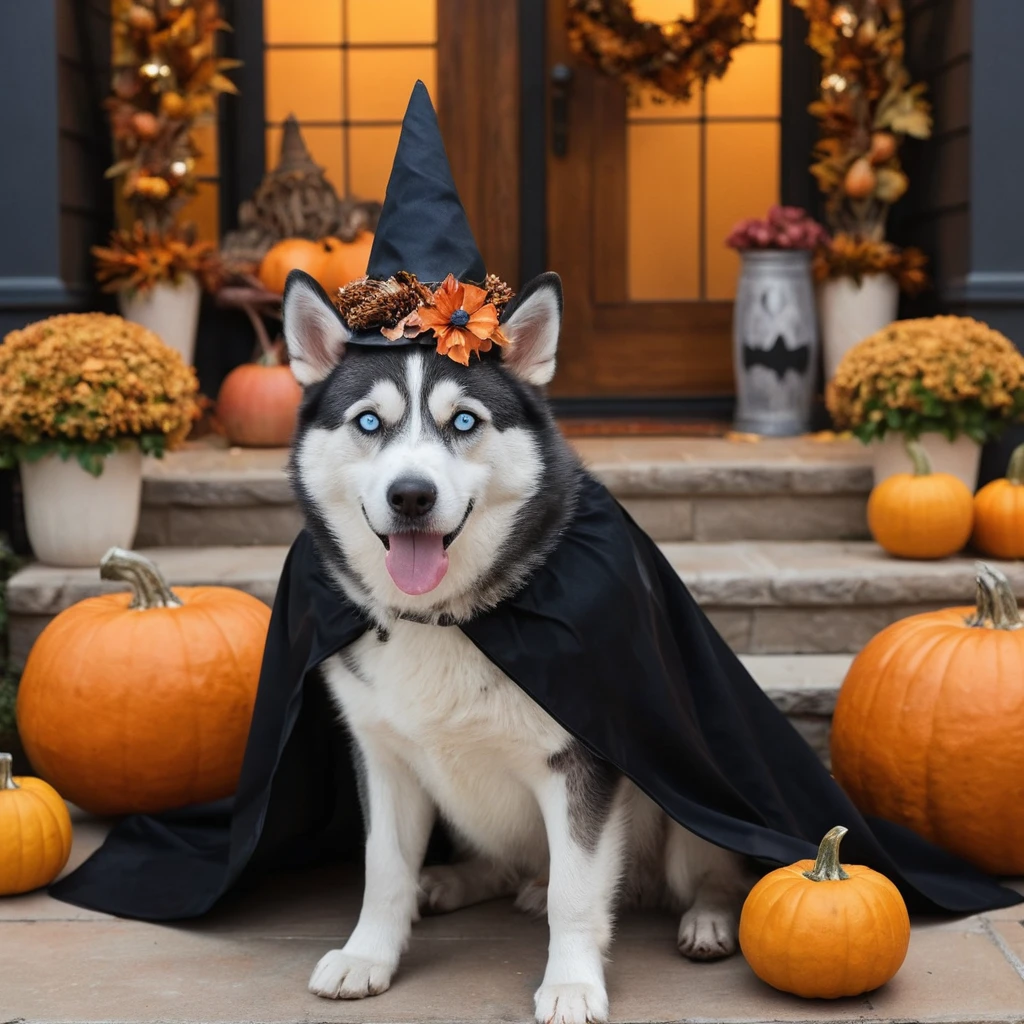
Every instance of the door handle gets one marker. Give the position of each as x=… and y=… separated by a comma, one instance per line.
x=561, y=83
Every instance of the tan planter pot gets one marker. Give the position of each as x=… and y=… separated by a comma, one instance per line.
x=959, y=458
x=73, y=518
x=170, y=311
x=849, y=313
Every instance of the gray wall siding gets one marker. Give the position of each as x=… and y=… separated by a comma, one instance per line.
x=53, y=70
x=936, y=212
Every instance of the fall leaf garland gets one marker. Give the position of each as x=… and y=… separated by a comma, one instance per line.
x=665, y=61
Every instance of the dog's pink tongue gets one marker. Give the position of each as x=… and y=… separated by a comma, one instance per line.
x=417, y=561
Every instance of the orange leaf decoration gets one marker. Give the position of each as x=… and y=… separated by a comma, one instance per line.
x=462, y=319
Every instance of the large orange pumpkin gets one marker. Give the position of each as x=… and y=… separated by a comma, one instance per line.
x=35, y=832
x=141, y=701
x=286, y=256
x=257, y=405
x=344, y=262
x=999, y=512
x=921, y=515
x=823, y=930
x=929, y=723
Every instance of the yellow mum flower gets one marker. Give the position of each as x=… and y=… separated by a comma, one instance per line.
x=91, y=377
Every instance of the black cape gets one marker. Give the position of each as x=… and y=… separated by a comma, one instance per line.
x=608, y=641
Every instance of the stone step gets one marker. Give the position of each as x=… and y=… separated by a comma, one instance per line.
x=678, y=489
x=765, y=597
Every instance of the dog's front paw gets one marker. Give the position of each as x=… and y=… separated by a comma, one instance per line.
x=571, y=1004
x=707, y=934
x=339, y=975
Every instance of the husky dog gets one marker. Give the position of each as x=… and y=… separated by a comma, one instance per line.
x=433, y=491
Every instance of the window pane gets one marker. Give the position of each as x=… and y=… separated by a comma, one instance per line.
x=750, y=87
x=326, y=146
x=372, y=152
x=393, y=21
x=380, y=81
x=769, y=20
x=203, y=209
x=662, y=10
x=306, y=83
x=302, y=21
x=742, y=181
x=663, y=211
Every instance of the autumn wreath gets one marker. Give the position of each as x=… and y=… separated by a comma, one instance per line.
x=664, y=60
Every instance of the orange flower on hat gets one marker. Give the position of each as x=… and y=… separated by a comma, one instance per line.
x=462, y=319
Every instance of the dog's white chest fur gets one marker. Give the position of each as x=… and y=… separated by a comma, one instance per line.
x=477, y=742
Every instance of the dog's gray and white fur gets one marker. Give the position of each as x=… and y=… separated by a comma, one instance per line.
x=439, y=728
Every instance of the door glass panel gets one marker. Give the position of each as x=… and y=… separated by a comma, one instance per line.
x=663, y=171
x=695, y=168
x=345, y=68
x=742, y=180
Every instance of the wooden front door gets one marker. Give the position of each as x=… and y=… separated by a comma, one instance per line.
x=640, y=199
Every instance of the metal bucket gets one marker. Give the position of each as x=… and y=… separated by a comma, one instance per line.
x=775, y=343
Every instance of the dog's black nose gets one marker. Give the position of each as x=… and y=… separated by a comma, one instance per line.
x=412, y=496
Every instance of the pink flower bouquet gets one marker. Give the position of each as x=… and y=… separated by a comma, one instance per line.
x=785, y=227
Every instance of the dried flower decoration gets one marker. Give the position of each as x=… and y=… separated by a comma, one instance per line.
x=138, y=259
x=785, y=227
x=369, y=304
x=462, y=319
x=850, y=256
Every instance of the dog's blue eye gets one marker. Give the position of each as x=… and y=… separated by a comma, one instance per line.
x=464, y=421
x=369, y=423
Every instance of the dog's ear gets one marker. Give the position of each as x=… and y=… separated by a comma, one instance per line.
x=313, y=329
x=531, y=325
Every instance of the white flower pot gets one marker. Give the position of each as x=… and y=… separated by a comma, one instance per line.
x=850, y=312
x=170, y=311
x=960, y=458
x=73, y=518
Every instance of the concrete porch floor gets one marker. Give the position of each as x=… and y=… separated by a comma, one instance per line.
x=250, y=961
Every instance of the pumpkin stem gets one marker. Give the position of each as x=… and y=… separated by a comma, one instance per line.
x=149, y=588
x=918, y=456
x=827, y=867
x=1015, y=471
x=7, y=772
x=996, y=602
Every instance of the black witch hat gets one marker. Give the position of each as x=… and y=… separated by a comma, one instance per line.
x=426, y=282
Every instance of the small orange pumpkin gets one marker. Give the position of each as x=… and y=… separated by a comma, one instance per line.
x=928, y=725
x=823, y=931
x=257, y=405
x=286, y=256
x=35, y=832
x=141, y=701
x=999, y=512
x=344, y=262
x=923, y=514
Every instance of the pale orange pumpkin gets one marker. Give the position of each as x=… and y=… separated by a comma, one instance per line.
x=999, y=512
x=921, y=514
x=257, y=405
x=286, y=256
x=344, y=262
x=141, y=701
x=35, y=832
x=822, y=930
x=928, y=726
